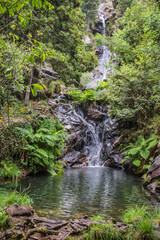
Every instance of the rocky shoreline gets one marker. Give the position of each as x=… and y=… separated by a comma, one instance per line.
x=26, y=225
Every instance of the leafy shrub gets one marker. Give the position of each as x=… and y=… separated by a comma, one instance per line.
x=9, y=170
x=100, y=40
x=84, y=97
x=43, y=145
x=86, y=78
x=136, y=45
x=139, y=152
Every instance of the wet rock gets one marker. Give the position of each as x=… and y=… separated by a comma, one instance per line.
x=155, y=174
x=99, y=51
x=34, y=227
x=114, y=2
x=155, y=165
x=16, y=210
x=14, y=235
x=152, y=186
x=152, y=181
x=92, y=134
x=95, y=114
x=75, y=158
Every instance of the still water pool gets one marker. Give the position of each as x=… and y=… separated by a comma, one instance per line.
x=90, y=190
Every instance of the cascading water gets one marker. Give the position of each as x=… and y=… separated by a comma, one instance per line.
x=91, y=140
x=92, y=134
x=102, y=70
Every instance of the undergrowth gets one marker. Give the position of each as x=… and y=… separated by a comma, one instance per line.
x=9, y=198
x=141, y=224
x=103, y=232
x=34, y=146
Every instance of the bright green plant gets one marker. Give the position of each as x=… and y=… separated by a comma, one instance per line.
x=146, y=230
x=97, y=218
x=139, y=152
x=142, y=223
x=100, y=40
x=84, y=97
x=43, y=145
x=9, y=170
x=103, y=232
x=134, y=214
x=9, y=198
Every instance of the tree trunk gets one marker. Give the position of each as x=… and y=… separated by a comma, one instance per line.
x=27, y=96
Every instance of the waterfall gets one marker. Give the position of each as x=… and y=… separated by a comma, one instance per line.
x=102, y=70
x=92, y=140
x=92, y=134
x=102, y=18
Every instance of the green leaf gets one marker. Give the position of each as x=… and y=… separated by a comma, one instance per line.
x=34, y=91
x=31, y=59
x=43, y=56
x=151, y=139
x=42, y=152
x=57, y=151
x=145, y=154
x=137, y=163
x=140, y=140
x=51, y=171
x=146, y=166
x=123, y=160
x=133, y=151
x=152, y=144
x=37, y=86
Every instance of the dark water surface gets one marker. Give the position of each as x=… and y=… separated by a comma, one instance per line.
x=90, y=190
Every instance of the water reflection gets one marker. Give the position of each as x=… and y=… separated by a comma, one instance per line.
x=90, y=191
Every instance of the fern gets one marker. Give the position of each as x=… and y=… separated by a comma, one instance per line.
x=43, y=145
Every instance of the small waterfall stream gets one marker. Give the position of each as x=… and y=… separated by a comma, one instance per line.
x=92, y=132
x=102, y=70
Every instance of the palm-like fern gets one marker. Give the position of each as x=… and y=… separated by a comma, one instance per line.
x=44, y=145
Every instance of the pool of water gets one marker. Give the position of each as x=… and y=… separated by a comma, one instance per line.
x=90, y=191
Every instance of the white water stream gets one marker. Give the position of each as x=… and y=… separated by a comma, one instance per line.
x=104, y=68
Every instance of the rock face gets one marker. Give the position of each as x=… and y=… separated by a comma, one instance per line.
x=31, y=227
x=27, y=226
x=93, y=138
x=152, y=181
x=16, y=210
x=107, y=12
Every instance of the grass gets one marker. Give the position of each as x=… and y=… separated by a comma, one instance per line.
x=142, y=223
x=134, y=214
x=103, y=232
x=8, y=198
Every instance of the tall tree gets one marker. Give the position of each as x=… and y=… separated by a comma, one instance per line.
x=90, y=7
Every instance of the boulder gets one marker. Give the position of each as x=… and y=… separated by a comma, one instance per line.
x=152, y=181
x=95, y=115
x=155, y=165
x=16, y=210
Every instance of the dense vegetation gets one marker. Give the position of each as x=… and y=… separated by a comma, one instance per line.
x=139, y=225
x=8, y=198
x=134, y=87
x=47, y=33
x=36, y=34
